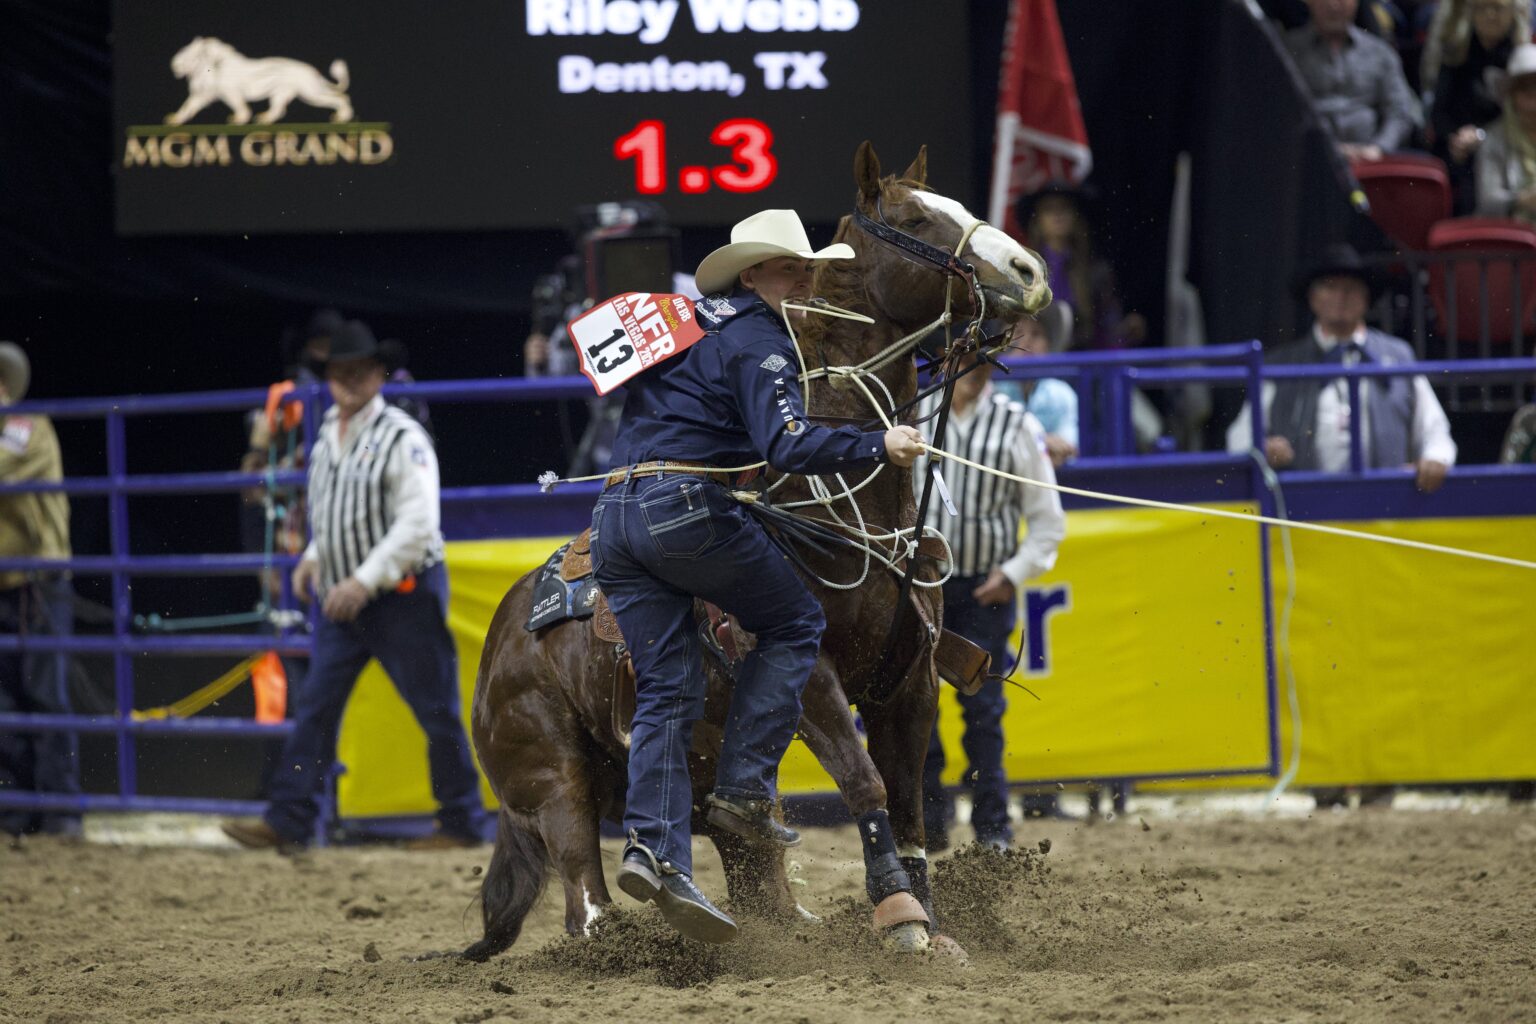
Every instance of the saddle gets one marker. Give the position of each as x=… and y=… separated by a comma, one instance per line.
x=959, y=662
x=720, y=633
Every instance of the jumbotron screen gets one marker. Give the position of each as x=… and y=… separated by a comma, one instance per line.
x=359, y=115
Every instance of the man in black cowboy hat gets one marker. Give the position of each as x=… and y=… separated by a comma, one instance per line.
x=34, y=525
x=375, y=563
x=1309, y=422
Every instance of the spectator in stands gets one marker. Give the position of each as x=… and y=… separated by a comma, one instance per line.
x=1356, y=81
x=1050, y=400
x=38, y=603
x=1506, y=162
x=1475, y=39
x=1309, y=422
x=981, y=597
x=1082, y=283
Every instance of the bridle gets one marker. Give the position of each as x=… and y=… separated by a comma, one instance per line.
x=925, y=254
x=951, y=264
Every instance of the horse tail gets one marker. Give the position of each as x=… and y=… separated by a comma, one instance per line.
x=514, y=880
x=341, y=74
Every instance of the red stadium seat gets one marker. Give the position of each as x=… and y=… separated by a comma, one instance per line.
x=1408, y=194
x=1492, y=236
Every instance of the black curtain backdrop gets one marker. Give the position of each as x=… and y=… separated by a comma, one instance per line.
x=1155, y=79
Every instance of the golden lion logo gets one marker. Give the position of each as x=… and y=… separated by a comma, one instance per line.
x=214, y=70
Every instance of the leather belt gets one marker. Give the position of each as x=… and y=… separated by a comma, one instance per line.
x=659, y=467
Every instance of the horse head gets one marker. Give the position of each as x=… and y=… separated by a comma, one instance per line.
x=1010, y=279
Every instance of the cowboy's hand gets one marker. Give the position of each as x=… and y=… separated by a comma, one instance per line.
x=536, y=352
x=903, y=445
x=345, y=600
x=303, y=579
x=1059, y=449
x=1431, y=475
x=998, y=589
x=1279, y=451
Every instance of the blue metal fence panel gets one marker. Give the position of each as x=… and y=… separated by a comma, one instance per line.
x=1104, y=380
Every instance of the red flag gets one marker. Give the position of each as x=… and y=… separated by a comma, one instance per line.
x=1040, y=133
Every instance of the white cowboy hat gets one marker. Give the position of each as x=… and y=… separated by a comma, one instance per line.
x=15, y=370
x=761, y=236
x=1522, y=62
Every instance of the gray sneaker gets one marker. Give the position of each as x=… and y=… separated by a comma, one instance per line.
x=681, y=903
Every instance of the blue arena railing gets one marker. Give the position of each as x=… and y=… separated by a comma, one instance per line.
x=1109, y=463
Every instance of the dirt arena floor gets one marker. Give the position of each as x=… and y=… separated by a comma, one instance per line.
x=1410, y=915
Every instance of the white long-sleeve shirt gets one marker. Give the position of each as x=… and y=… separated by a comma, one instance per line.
x=1430, y=431
x=373, y=499
x=996, y=431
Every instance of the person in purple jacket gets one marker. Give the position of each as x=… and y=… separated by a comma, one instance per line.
x=666, y=530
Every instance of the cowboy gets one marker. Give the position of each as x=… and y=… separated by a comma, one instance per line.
x=667, y=530
x=34, y=524
x=375, y=564
x=1309, y=421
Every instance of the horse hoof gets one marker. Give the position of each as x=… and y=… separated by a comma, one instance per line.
x=911, y=937
x=943, y=945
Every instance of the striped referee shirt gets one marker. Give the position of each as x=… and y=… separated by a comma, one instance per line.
x=373, y=499
x=996, y=431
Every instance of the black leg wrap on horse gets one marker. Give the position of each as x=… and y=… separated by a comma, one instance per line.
x=917, y=870
x=883, y=874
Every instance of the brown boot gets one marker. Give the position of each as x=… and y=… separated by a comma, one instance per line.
x=256, y=834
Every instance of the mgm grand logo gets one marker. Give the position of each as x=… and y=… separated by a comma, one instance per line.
x=218, y=73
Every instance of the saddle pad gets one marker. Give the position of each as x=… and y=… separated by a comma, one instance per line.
x=556, y=599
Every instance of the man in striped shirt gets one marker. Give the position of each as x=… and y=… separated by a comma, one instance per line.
x=375, y=562
x=981, y=597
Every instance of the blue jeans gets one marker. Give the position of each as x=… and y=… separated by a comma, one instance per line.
x=409, y=635
x=988, y=627
x=38, y=682
x=657, y=543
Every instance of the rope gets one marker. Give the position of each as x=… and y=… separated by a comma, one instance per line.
x=1288, y=524
x=199, y=699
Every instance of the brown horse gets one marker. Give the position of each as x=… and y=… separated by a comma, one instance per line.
x=544, y=718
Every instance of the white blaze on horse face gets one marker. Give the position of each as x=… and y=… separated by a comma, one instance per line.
x=593, y=911
x=991, y=244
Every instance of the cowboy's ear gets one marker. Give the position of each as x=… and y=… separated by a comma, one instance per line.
x=866, y=170
x=918, y=172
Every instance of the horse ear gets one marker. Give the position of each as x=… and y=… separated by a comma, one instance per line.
x=918, y=172
x=866, y=170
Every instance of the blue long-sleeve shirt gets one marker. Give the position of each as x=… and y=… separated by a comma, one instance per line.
x=734, y=398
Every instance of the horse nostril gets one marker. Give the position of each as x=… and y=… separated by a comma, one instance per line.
x=1026, y=272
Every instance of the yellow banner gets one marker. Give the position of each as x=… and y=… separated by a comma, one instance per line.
x=1145, y=649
